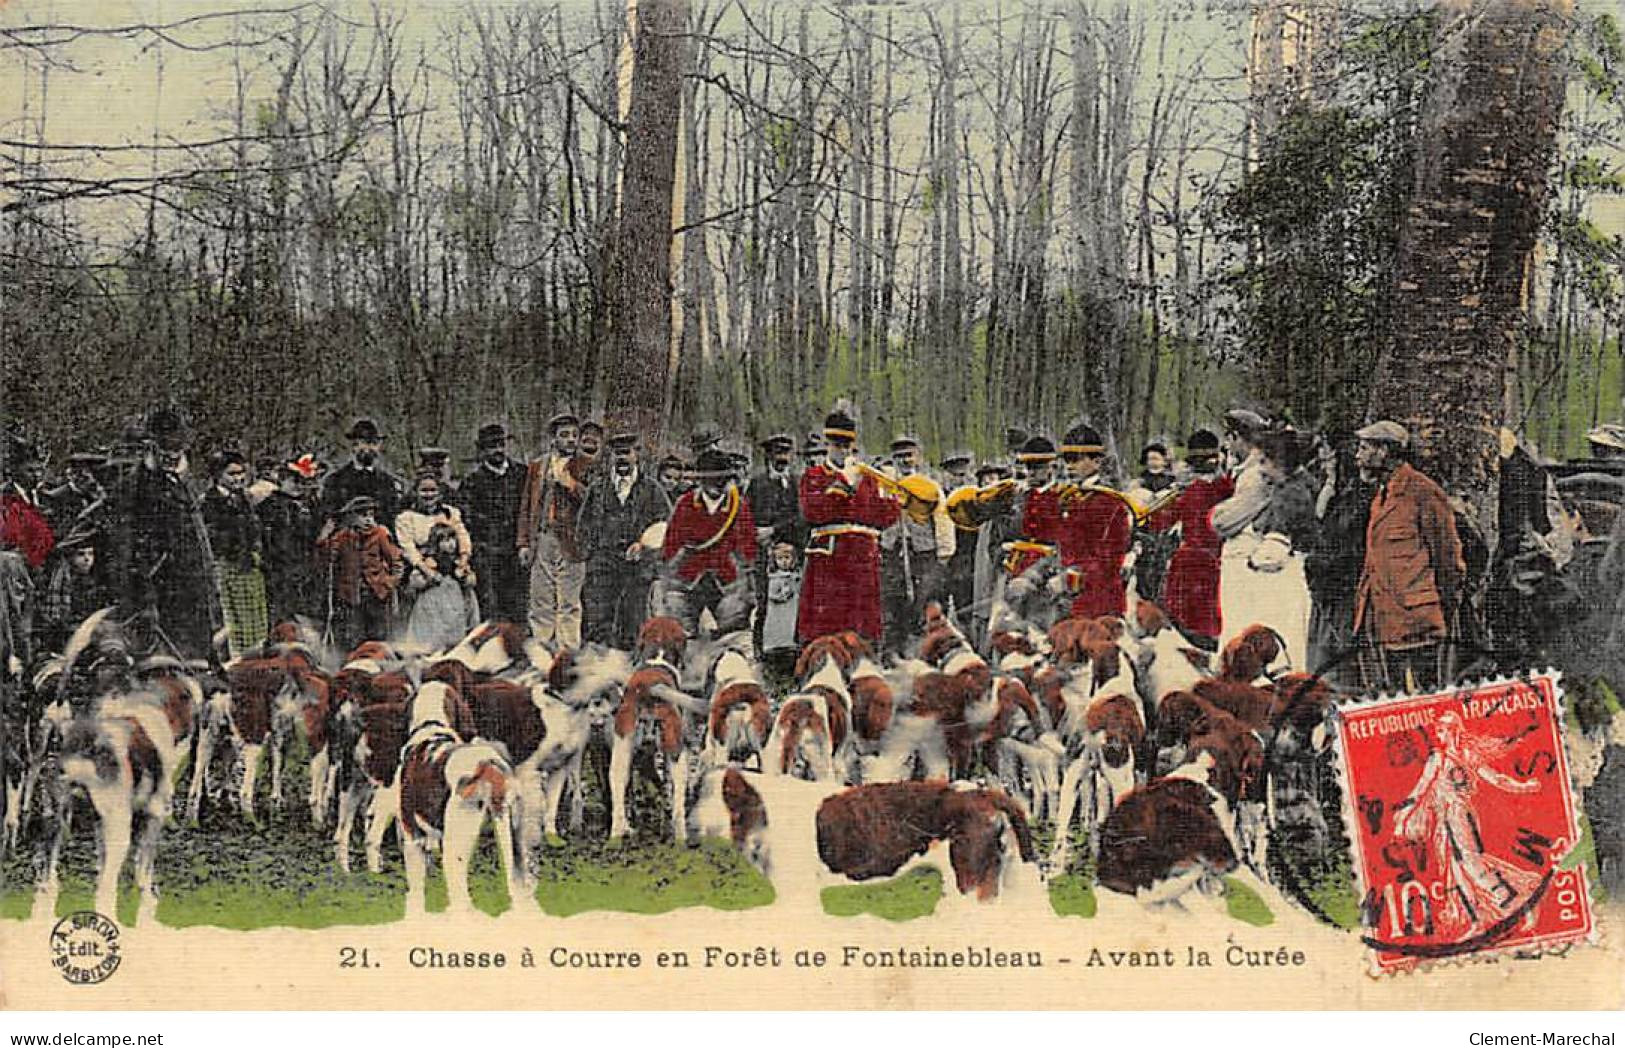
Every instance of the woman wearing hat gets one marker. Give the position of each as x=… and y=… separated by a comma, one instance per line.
x=1267, y=523
x=234, y=536
x=288, y=524
x=846, y=512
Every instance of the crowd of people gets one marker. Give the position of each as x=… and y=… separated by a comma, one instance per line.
x=1365, y=566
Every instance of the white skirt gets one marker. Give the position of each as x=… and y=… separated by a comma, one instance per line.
x=1277, y=599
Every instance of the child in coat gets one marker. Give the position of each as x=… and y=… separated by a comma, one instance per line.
x=365, y=567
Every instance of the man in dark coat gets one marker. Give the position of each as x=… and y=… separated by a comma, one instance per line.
x=489, y=497
x=960, y=587
x=620, y=505
x=1335, y=562
x=363, y=475
x=289, y=522
x=162, y=561
x=775, y=506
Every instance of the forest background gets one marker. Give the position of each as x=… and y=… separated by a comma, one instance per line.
x=962, y=216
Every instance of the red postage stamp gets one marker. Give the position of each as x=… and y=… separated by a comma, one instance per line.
x=1462, y=814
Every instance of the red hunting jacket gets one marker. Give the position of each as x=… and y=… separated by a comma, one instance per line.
x=840, y=586
x=1413, y=562
x=702, y=541
x=1040, y=522
x=24, y=528
x=1094, y=536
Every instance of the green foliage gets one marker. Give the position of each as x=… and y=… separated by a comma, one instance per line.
x=914, y=894
x=1072, y=895
x=1245, y=905
x=648, y=878
x=1316, y=227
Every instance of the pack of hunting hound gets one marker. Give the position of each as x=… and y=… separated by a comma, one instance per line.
x=1157, y=766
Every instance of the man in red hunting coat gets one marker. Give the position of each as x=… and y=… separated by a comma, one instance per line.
x=23, y=523
x=712, y=540
x=1190, y=590
x=1095, y=531
x=845, y=511
x=1040, y=507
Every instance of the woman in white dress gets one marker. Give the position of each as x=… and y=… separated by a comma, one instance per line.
x=439, y=580
x=1261, y=572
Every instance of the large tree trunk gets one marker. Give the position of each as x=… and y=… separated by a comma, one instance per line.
x=642, y=340
x=1488, y=130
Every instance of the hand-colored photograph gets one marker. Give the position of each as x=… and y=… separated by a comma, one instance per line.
x=626, y=504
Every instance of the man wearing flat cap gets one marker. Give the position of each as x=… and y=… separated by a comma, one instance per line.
x=622, y=504
x=711, y=546
x=913, y=554
x=555, y=484
x=364, y=474
x=490, y=496
x=812, y=450
x=161, y=558
x=1411, y=582
x=438, y=462
x=672, y=475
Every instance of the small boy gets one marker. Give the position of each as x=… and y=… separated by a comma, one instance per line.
x=779, y=648
x=72, y=592
x=365, y=567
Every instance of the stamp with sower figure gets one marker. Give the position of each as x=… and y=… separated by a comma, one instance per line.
x=1462, y=816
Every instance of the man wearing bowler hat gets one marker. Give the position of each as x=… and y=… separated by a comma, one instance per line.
x=490, y=496
x=622, y=504
x=162, y=562
x=364, y=474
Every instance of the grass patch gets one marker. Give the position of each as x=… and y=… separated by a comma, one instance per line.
x=648, y=878
x=1073, y=895
x=1586, y=852
x=1242, y=903
x=904, y=898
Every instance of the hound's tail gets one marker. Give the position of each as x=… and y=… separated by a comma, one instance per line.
x=486, y=786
